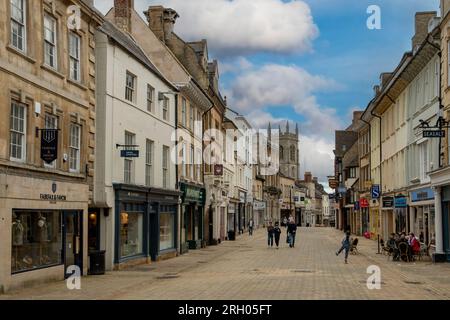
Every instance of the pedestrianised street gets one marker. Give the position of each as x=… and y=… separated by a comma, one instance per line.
x=248, y=269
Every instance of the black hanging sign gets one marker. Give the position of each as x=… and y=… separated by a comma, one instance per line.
x=434, y=134
x=49, y=145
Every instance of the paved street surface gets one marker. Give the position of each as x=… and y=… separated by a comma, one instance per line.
x=248, y=269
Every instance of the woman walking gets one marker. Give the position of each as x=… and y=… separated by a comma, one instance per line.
x=346, y=242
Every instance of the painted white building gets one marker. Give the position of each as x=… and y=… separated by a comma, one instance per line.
x=135, y=194
x=244, y=168
x=326, y=209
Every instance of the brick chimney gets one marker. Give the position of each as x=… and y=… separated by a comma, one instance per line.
x=384, y=78
x=161, y=21
x=421, y=27
x=122, y=14
x=308, y=177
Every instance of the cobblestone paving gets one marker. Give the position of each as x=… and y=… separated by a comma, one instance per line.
x=248, y=269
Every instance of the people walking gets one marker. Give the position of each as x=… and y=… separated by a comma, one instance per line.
x=250, y=227
x=270, y=234
x=277, y=234
x=291, y=230
x=346, y=242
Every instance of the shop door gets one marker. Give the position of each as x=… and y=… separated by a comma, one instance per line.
x=72, y=240
x=446, y=227
x=211, y=226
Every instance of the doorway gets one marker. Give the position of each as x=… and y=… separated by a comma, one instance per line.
x=72, y=240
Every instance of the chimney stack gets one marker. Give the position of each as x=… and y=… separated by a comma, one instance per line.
x=122, y=14
x=308, y=177
x=161, y=21
x=421, y=27
x=445, y=7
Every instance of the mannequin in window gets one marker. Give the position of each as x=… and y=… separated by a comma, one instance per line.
x=43, y=228
x=17, y=231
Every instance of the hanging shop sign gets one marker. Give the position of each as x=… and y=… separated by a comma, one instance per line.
x=434, y=134
x=49, y=145
x=375, y=191
x=388, y=202
x=129, y=153
x=218, y=170
x=364, y=203
x=400, y=202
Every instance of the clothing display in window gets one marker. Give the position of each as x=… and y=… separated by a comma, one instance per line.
x=17, y=232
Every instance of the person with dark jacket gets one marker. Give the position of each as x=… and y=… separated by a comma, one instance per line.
x=270, y=234
x=277, y=233
x=346, y=243
x=291, y=230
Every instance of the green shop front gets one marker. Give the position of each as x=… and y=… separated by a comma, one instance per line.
x=192, y=212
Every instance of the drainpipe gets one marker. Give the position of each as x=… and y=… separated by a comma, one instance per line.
x=381, y=151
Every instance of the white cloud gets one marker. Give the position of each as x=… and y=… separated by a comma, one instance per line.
x=236, y=27
x=235, y=65
x=277, y=85
x=316, y=156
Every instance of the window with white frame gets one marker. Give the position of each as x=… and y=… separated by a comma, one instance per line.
x=128, y=173
x=191, y=117
x=74, y=56
x=165, y=166
x=166, y=108
x=183, y=112
x=199, y=124
x=18, y=24
x=183, y=160
x=149, y=163
x=191, y=163
x=18, y=125
x=51, y=122
x=50, y=53
x=150, y=98
x=199, y=165
x=130, y=87
x=424, y=161
x=74, y=147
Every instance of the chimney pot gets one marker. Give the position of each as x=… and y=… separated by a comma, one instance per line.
x=421, y=27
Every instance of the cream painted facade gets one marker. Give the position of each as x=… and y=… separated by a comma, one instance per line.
x=132, y=122
x=43, y=91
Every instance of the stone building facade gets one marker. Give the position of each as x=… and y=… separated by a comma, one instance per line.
x=47, y=81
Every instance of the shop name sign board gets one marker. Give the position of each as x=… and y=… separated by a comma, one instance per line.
x=53, y=197
x=259, y=205
x=388, y=202
x=49, y=145
x=434, y=134
x=193, y=194
x=422, y=195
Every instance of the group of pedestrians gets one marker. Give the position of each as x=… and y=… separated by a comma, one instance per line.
x=274, y=233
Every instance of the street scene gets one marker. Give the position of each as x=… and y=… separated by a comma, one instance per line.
x=248, y=270
x=224, y=150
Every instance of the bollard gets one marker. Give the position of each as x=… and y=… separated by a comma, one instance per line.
x=378, y=237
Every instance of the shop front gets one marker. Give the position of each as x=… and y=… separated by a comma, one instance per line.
x=241, y=211
x=192, y=213
x=422, y=214
x=387, y=216
x=400, y=213
x=145, y=224
x=44, y=230
x=374, y=219
x=232, y=218
x=259, y=208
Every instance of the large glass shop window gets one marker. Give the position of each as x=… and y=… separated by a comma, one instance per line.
x=36, y=240
x=167, y=230
x=131, y=233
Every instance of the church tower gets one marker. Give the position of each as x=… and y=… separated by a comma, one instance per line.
x=289, y=152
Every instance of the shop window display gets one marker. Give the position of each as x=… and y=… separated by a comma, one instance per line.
x=131, y=233
x=166, y=231
x=36, y=240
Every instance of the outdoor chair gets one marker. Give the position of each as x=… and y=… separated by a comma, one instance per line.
x=354, y=246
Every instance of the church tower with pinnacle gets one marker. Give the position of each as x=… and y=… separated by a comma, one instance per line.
x=289, y=152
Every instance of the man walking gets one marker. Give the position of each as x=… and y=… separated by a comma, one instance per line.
x=250, y=227
x=292, y=230
x=270, y=234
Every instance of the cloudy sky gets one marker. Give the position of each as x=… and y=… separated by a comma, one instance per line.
x=309, y=61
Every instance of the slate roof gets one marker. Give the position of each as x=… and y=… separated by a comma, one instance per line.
x=344, y=138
